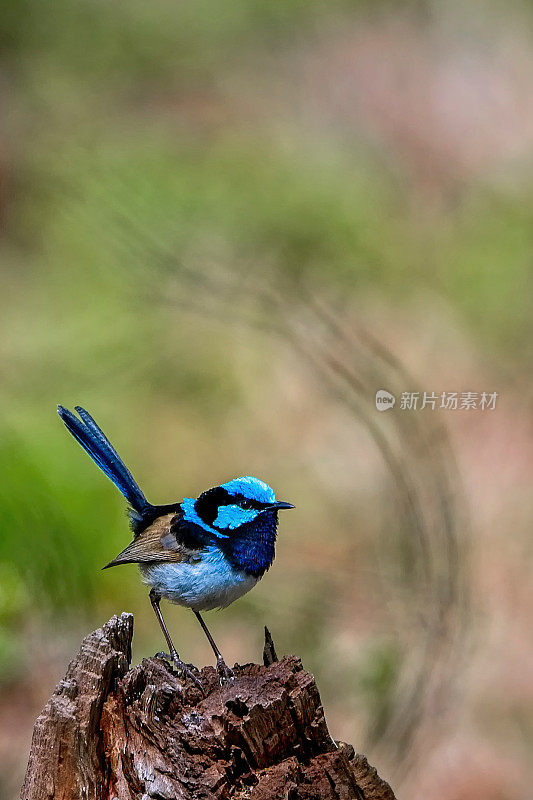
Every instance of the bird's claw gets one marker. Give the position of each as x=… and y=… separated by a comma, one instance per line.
x=175, y=659
x=187, y=670
x=225, y=674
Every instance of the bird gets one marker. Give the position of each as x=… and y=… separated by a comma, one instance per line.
x=201, y=553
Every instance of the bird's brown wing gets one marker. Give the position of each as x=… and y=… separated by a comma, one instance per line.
x=157, y=542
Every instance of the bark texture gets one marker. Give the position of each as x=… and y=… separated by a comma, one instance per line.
x=133, y=734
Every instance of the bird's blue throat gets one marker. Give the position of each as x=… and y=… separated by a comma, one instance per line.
x=252, y=547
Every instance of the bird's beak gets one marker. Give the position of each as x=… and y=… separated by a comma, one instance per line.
x=279, y=505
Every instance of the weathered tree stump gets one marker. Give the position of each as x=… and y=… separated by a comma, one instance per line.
x=132, y=734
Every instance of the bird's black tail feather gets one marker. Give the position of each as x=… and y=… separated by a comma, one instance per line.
x=96, y=443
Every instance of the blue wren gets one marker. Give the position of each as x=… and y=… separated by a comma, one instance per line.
x=201, y=553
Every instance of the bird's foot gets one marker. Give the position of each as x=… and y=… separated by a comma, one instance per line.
x=225, y=674
x=187, y=670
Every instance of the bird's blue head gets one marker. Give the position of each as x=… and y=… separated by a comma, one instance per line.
x=227, y=507
x=243, y=515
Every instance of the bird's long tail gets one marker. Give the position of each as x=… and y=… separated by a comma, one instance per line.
x=96, y=443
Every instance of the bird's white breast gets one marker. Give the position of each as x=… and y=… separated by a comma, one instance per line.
x=210, y=582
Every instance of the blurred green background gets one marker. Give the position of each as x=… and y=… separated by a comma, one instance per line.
x=206, y=209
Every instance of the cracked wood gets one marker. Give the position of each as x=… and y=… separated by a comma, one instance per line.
x=133, y=734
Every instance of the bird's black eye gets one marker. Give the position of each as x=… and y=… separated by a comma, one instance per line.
x=246, y=504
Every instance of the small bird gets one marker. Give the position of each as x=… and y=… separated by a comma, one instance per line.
x=201, y=553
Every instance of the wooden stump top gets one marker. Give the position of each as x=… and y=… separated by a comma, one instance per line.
x=133, y=734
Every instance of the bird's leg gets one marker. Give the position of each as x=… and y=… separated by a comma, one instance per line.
x=155, y=599
x=225, y=673
x=185, y=669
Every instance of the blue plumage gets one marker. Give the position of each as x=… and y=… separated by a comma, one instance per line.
x=200, y=553
x=95, y=442
x=191, y=515
x=251, y=488
x=231, y=517
x=220, y=510
x=252, y=549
